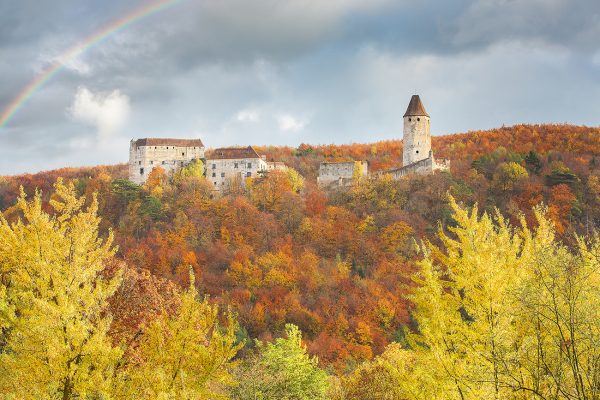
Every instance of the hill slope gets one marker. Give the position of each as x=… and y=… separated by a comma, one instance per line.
x=336, y=264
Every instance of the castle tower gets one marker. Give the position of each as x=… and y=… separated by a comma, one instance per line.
x=417, y=137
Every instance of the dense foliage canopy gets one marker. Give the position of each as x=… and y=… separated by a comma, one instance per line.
x=384, y=312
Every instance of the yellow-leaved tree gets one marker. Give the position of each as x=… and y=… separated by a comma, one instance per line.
x=465, y=307
x=183, y=356
x=505, y=313
x=54, y=342
x=54, y=317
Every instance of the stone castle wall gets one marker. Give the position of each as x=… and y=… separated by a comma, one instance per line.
x=421, y=167
x=340, y=173
x=144, y=158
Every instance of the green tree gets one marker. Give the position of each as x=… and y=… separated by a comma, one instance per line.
x=53, y=300
x=282, y=370
x=561, y=174
x=533, y=162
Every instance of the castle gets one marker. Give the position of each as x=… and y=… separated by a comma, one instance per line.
x=224, y=166
x=417, y=156
x=235, y=164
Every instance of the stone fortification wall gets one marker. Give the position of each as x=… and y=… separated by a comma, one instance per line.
x=422, y=167
x=340, y=173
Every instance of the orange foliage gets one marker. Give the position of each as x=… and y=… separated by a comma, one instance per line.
x=336, y=263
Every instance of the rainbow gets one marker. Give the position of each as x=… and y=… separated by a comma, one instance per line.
x=115, y=26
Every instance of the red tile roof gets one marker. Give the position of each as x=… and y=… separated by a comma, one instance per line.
x=169, y=142
x=233, y=153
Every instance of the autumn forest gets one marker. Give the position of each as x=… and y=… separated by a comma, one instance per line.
x=482, y=282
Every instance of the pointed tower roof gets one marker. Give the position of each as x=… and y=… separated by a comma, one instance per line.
x=415, y=107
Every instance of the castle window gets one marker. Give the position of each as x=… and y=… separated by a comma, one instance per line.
x=141, y=171
x=235, y=165
x=182, y=163
x=249, y=165
x=417, y=151
x=215, y=183
x=139, y=163
x=418, y=119
x=248, y=174
x=164, y=162
x=214, y=174
x=183, y=154
x=222, y=174
x=214, y=166
x=409, y=119
x=151, y=162
x=154, y=147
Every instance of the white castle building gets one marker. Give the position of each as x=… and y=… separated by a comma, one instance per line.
x=232, y=165
x=169, y=154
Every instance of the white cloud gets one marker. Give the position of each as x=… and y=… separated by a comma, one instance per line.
x=289, y=123
x=77, y=65
x=106, y=112
x=248, y=116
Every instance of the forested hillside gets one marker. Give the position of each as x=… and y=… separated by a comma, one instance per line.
x=341, y=265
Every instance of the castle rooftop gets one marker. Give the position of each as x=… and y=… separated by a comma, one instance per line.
x=415, y=107
x=169, y=142
x=233, y=153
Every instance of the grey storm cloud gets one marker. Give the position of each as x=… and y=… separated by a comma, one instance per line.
x=286, y=72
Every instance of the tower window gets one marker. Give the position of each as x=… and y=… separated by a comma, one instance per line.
x=141, y=171
x=183, y=154
x=417, y=151
x=409, y=119
x=418, y=119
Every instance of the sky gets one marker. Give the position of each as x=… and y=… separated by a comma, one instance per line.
x=240, y=72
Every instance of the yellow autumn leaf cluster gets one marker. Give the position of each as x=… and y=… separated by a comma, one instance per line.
x=54, y=319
